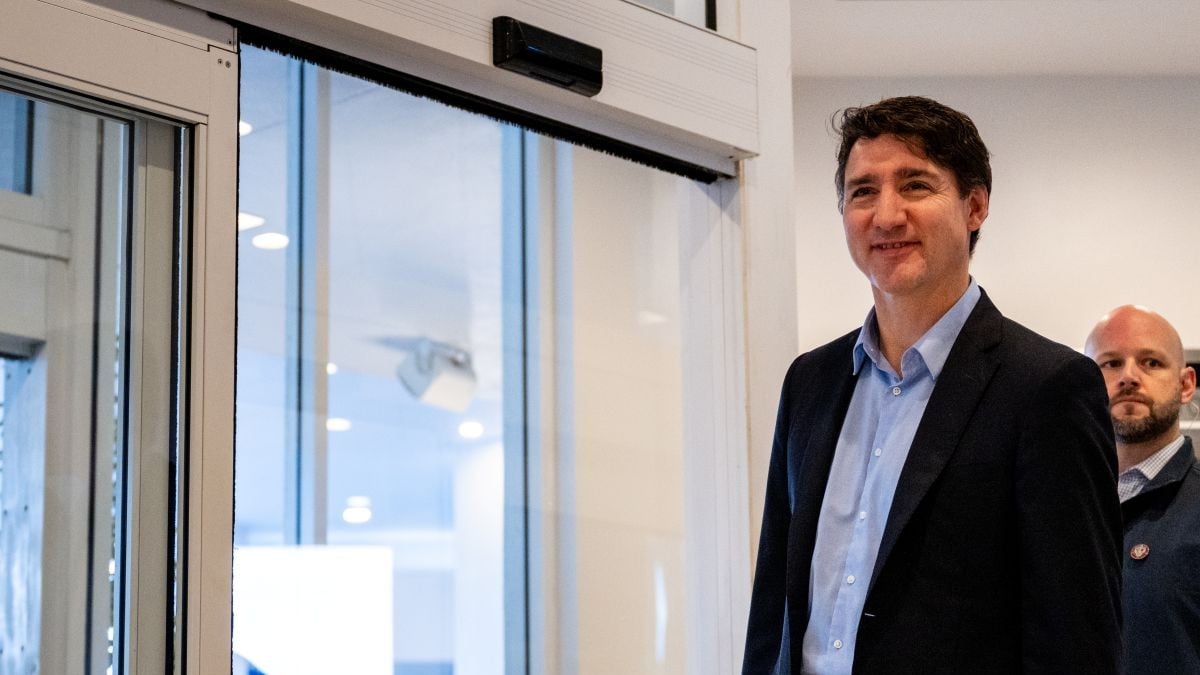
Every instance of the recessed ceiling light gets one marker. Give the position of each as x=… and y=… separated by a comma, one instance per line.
x=331, y=368
x=270, y=241
x=470, y=429
x=247, y=221
x=337, y=424
x=244, y=127
x=358, y=510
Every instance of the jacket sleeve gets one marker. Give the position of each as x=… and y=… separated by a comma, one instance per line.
x=1069, y=525
x=768, y=604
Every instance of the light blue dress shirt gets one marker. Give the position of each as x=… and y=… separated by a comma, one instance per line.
x=874, y=442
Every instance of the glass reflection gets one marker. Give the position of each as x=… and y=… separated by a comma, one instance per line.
x=65, y=437
x=370, y=459
x=395, y=390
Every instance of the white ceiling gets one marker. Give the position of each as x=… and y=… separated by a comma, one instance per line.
x=913, y=38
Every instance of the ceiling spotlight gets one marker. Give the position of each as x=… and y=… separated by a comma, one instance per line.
x=470, y=429
x=337, y=424
x=439, y=374
x=248, y=221
x=331, y=368
x=244, y=127
x=270, y=241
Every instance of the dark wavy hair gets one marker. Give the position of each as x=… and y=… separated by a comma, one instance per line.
x=943, y=134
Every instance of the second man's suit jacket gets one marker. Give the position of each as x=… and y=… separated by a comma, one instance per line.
x=1161, y=593
x=1001, y=552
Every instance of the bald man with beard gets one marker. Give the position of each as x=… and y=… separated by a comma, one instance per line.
x=1142, y=359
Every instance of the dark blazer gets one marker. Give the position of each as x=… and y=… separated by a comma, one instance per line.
x=1001, y=552
x=1161, y=595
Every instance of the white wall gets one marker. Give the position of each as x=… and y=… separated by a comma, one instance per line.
x=769, y=206
x=1092, y=205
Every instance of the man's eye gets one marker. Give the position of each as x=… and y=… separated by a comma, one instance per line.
x=1111, y=363
x=860, y=192
x=917, y=186
x=1153, y=363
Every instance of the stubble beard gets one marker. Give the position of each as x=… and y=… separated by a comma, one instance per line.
x=1161, y=418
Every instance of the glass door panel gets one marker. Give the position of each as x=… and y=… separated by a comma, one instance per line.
x=371, y=390
x=460, y=394
x=627, y=399
x=88, y=233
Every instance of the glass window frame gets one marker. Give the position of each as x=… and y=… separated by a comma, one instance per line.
x=38, y=43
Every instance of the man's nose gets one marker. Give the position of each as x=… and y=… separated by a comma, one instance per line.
x=1130, y=376
x=890, y=210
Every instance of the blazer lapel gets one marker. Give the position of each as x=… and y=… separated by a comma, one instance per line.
x=1162, y=489
x=955, y=397
x=815, y=436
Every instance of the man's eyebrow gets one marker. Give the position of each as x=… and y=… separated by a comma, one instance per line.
x=907, y=172
x=1154, y=353
x=864, y=179
x=1140, y=354
x=914, y=172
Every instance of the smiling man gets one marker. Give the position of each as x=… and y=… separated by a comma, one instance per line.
x=940, y=494
x=1141, y=356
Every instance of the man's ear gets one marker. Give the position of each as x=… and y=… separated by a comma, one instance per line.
x=977, y=207
x=1187, y=384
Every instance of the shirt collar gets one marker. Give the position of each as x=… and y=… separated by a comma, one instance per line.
x=933, y=348
x=1150, y=466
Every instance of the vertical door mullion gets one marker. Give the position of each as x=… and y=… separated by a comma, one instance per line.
x=150, y=400
x=306, y=447
x=517, y=510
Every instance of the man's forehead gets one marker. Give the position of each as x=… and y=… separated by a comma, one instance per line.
x=1130, y=349
x=910, y=145
x=904, y=157
x=1135, y=336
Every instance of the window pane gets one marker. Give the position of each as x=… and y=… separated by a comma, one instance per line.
x=370, y=448
x=16, y=134
x=264, y=301
x=620, y=461
x=85, y=326
x=383, y=393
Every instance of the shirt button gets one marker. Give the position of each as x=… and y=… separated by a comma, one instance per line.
x=850, y=579
x=862, y=515
x=895, y=391
x=878, y=451
x=837, y=644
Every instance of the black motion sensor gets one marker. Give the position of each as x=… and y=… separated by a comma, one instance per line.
x=543, y=55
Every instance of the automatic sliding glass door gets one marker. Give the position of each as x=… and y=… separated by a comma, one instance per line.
x=460, y=440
